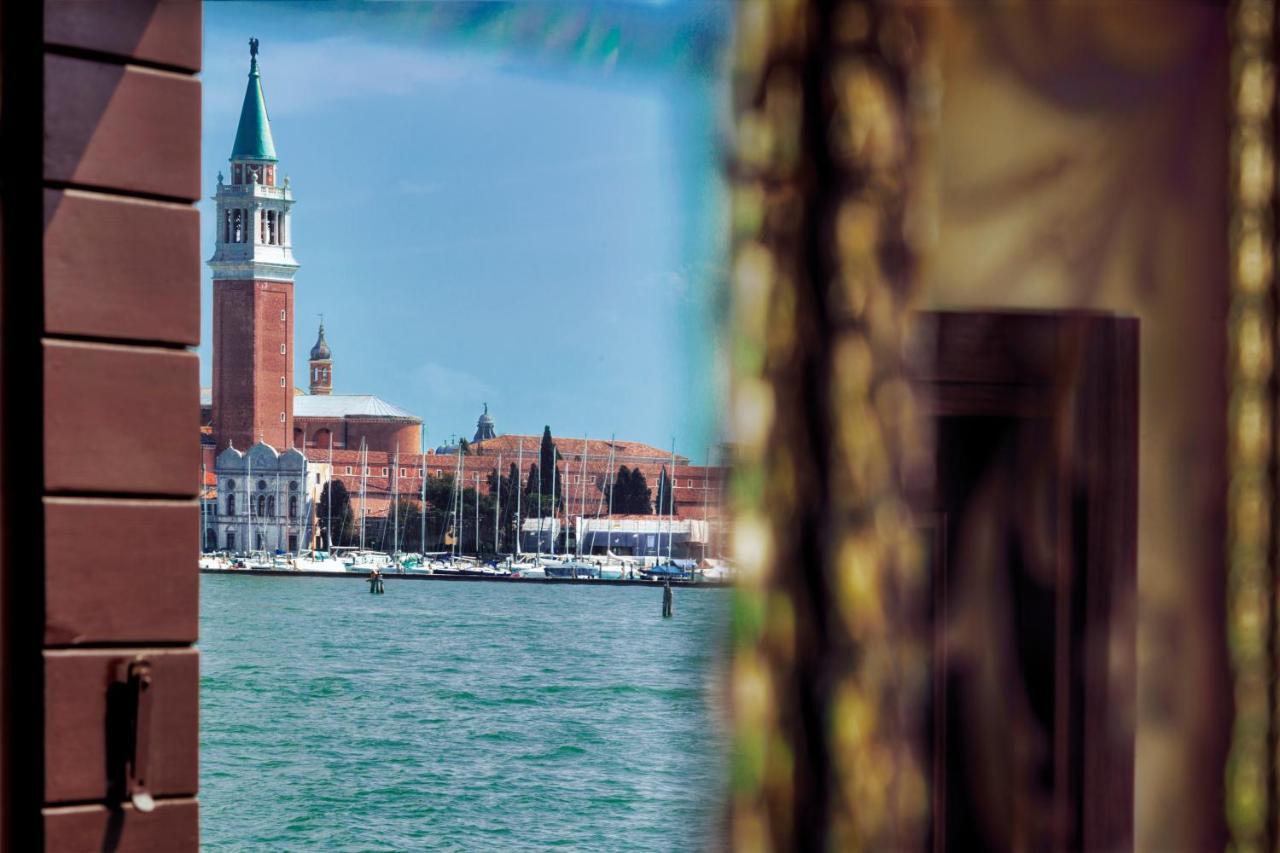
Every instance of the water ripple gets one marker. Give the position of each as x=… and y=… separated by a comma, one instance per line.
x=457, y=716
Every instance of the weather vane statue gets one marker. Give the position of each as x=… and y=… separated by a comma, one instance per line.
x=253, y=47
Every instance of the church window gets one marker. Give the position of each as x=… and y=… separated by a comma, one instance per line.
x=281, y=381
x=231, y=484
x=293, y=506
x=293, y=485
x=282, y=315
x=384, y=472
x=437, y=472
x=262, y=484
x=348, y=469
x=271, y=506
x=262, y=504
x=262, y=227
x=231, y=504
x=282, y=349
x=282, y=417
x=402, y=472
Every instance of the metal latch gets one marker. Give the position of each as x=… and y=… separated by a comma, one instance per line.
x=138, y=692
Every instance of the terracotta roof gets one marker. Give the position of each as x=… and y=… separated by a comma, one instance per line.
x=571, y=448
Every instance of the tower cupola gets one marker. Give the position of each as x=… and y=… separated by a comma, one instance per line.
x=321, y=365
x=253, y=155
x=253, y=228
x=484, y=426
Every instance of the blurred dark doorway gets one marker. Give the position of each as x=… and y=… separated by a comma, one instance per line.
x=1032, y=516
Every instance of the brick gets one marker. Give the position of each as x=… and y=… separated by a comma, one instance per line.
x=121, y=420
x=104, y=558
x=248, y=365
x=122, y=128
x=173, y=825
x=121, y=268
x=167, y=32
x=78, y=715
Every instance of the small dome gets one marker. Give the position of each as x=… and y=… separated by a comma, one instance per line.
x=320, y=352
x=484, y=426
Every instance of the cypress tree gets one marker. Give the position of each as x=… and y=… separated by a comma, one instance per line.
x=622, y=491
x=641, y=494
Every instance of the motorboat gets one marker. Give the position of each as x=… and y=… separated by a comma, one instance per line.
x=670, y=570
x=569, y=569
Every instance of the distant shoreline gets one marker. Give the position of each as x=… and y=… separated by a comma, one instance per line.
x=486, y=579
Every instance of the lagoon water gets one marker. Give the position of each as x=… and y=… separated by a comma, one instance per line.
x=458, y=716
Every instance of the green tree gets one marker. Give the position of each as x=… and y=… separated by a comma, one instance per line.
x=622, y=491
x=344, y=530
x=663, y=503
x=641, y=496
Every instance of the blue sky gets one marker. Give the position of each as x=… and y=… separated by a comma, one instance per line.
x=518, y=204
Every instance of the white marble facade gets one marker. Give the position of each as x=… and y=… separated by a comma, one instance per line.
x=264, y=503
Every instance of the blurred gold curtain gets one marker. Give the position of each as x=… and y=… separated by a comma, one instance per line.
x=1051, y=155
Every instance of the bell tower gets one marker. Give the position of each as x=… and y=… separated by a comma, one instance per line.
x=321, y=365
x=253, y=270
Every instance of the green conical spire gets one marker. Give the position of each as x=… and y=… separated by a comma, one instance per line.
x=253, y=136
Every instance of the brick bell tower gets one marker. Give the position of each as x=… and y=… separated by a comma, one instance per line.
x=321, y=365
x=253, y=270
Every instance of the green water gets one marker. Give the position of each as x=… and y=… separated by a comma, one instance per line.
x=458, y=716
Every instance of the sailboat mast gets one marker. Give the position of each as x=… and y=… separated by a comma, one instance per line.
x=457, y=513
x=582, y=504
x=540, y=504
x=519, y=489
x=612, y=480
x=204, y=494
x=364, y=487
x=497, y=505
x=328, y=509
x=395, y=501
x=276, y=516
x=422, y=499
x=248, y=500
x=477, y=490
x=706, y=485
x=554, y=468
x=671, y=501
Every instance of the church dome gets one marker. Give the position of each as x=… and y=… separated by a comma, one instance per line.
x=320, y=352
x=484, y=426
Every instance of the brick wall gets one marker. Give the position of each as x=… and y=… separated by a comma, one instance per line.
x=248, y=365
